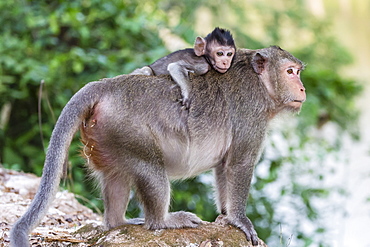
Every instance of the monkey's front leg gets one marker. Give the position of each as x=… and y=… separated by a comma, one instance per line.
x=234, y=195
x=221, y=187
x=179, y=74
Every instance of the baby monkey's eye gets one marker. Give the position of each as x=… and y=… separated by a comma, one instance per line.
x=229, y=54
x=290, y=71
x=220, y=53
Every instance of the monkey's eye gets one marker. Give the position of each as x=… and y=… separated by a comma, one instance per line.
x=229, y=54
x=298, y=71
x=220, y=53
x=290, y=71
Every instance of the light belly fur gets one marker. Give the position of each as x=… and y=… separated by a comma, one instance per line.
x=184, y=159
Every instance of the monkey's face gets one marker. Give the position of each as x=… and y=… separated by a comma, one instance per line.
x=296, y=94
x=221, y=57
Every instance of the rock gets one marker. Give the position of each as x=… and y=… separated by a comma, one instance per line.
x=207, y=235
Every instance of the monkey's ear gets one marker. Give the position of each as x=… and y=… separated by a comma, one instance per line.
x=259, y=62
x=200, y=46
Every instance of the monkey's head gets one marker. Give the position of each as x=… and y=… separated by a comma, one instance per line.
x=218, y=48
x=280, y=73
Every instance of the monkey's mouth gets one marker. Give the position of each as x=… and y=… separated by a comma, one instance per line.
x=292, y=101
x=295, y=103
x=221, y=70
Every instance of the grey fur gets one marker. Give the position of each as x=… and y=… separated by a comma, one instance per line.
x=132, y=142
x=198, y=61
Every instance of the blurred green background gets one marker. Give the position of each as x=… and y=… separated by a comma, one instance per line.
x=66, y=44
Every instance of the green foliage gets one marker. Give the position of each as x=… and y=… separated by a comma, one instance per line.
x=66, y=44
x=339, y=107
x=194, y=195
x=69, y=43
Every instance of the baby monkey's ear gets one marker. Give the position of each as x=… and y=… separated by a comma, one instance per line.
x=200, y=46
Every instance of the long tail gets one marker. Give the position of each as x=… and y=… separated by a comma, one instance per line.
x=64, y=130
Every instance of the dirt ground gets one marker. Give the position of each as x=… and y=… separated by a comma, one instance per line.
x=66, y=215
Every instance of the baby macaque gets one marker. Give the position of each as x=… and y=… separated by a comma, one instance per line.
x=216, y=51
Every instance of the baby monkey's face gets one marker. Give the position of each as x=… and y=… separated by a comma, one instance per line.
x=221, y=57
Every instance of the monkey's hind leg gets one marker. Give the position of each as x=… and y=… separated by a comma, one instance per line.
x=154, y=191
x=116, y=193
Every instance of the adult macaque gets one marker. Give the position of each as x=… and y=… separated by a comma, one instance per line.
x=131, y=142
x=214, y=51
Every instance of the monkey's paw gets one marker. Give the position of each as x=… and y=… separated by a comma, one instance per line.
x=185, y=102
x=243, y=223
x=179, y=219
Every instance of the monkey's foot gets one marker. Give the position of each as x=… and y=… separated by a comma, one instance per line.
x=179, y=219
x=146, y=70
x=243, y=224
x=136, y=221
